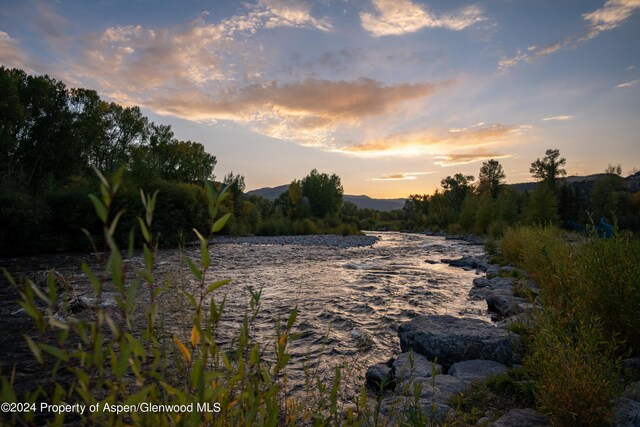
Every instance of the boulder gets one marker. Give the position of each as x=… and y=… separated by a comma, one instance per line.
x=626, y=412
x=450, y=339
x=474, y=370
x=378, y=375
x=439, y=389
x=521, y=418
x=505, y=304
x=397, y=407
x=411, y=364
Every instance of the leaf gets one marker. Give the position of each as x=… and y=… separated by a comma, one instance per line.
x=292, y=318
x=194, y=269
x=114, y=222
x=34, y=348
x=145, y=230
x=212, y=287
x=55, y=352
x=101, y=210
x=183, y=349
x=195, y=336
x=220, y=222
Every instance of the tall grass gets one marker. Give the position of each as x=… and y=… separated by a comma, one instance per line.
x=590, y=317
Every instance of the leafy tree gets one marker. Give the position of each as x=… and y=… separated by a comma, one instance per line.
x=456, y=189
x=491, y=177
x=549, y=168
x=324, y=193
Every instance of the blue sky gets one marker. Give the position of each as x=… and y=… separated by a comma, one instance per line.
x=392, y=95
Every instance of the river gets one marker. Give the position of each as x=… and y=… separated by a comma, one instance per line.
x=351, y=295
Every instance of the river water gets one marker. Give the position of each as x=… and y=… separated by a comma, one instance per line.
x=351, y=295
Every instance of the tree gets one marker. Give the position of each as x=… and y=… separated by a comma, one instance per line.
x=456, y=189
x=549, y=169
x=324, y=193
x=491, y=177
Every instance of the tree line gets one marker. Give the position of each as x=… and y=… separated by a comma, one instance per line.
x=489, y=205
x=53, y=138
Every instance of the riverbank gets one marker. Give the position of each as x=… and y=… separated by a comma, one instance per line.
x=468, y=372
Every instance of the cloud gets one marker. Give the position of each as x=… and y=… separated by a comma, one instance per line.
x=396, y=17
x=613, y=14
x=610, y=16
x=628, y=84
x=307, y=111
x=403, y=176
x=11, y=55
x=558, y=118
x=448, y=145
x=466, y=158
x=292, y=13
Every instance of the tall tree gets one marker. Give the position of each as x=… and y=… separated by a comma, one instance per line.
x=491, y=177
x=324, y=193
x=549, y=168
x=456, y=189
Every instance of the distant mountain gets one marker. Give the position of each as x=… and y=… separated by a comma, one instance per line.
x=632, y=182
x=362, y=202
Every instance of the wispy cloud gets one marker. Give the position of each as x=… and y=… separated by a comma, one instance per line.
x=293, y=13
x=613, y=14
x=403, y=176
x=395, y=17
x=448, y=145
x=628, y=84
x=466, y=158
x=558, y=118
x=11, y=55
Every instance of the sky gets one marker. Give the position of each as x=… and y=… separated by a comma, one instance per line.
x=391, y=95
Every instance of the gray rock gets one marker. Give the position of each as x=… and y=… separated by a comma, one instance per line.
x=521, y=418
x=632, y=391
x=439, y=389
x=626, y=412
x=493, y=271
x=451, y=339
x=481, y=282
x=412, y=364
x=484, y=421
x=473, y=370
x=396, y=408
x=378, y=375
x=467, y=262
x=505, y=304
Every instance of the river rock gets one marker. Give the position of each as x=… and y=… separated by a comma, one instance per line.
x=473, y=370
x=521, y=418
x=439, y=389
x=467, y=262
x=626, y=412
x=451, y=339
x=411, y=364
x=397, y=407
x=505, y=304
x=378, y=375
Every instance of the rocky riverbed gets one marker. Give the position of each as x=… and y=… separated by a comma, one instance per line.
x=445, y=355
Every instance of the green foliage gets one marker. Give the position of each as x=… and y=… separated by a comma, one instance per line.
x=590, y=295
x=549, y=168
x=324, y=193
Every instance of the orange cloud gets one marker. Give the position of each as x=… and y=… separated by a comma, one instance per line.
x=395, y=17
x=438, y=143
x=403, y=176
